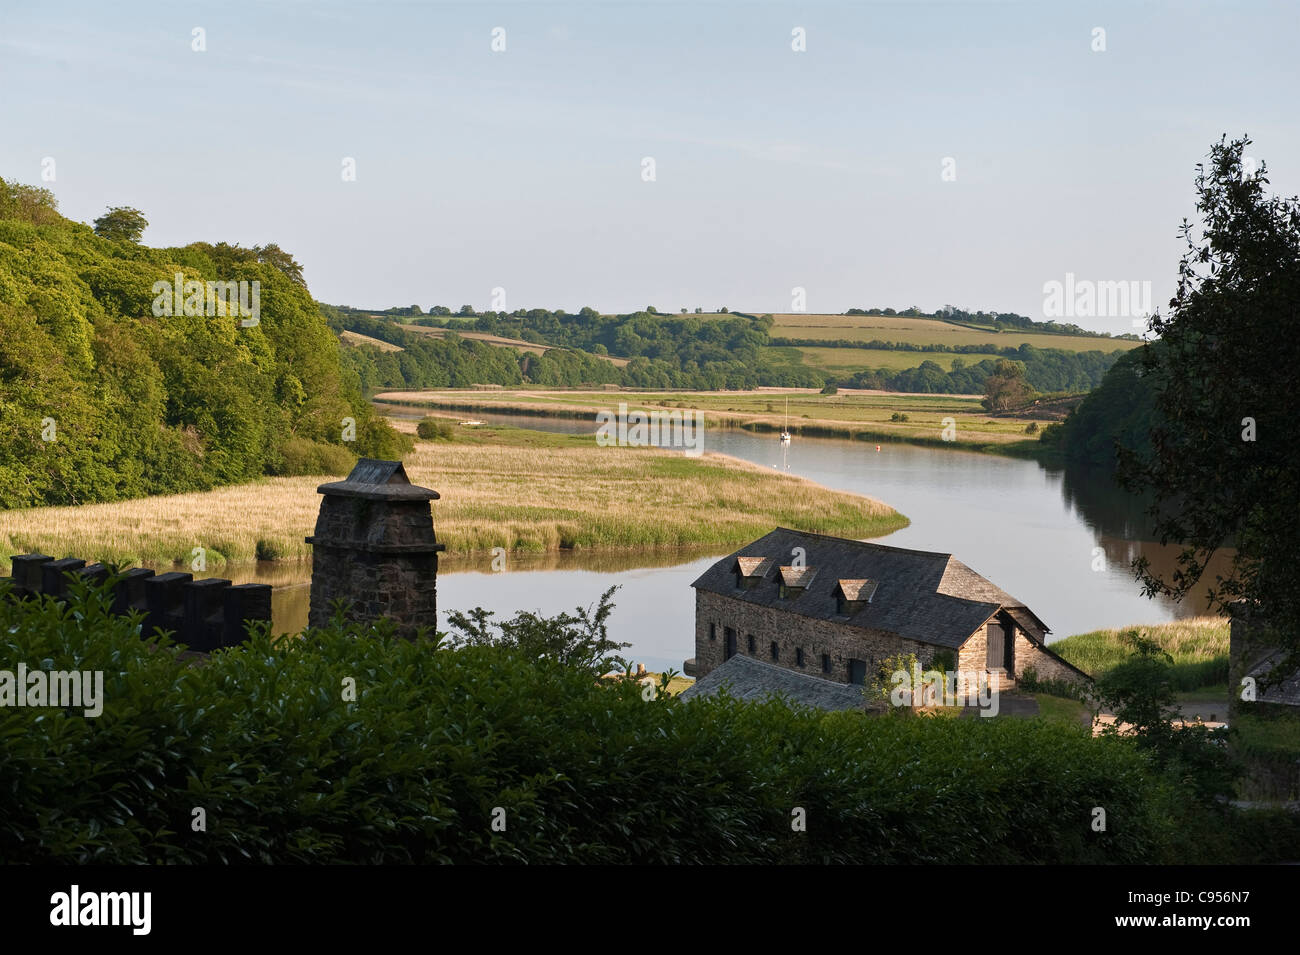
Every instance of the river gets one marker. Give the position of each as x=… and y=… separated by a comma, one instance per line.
x=1060, y=542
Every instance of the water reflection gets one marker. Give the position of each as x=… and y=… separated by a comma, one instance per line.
x=1123, y=527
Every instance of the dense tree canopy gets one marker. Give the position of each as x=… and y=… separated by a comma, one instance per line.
x=103, y=397
x=1224, y=462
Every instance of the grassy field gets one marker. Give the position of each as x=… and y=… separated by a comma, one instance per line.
x=928, y=331
x=501, y=487
x=1199, y=647
x=357, y=339
x=849, y=360
x=859, y=415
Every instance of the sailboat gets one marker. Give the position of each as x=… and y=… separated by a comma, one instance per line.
x=785, y=427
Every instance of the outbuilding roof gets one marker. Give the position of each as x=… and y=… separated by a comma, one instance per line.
x=920, y=595
x=745, y=678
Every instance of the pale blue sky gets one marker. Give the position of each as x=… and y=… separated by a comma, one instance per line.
x=775, y=169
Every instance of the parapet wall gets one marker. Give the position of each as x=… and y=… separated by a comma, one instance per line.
x=204, y=615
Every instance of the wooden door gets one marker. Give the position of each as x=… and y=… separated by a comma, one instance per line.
x=997, y=645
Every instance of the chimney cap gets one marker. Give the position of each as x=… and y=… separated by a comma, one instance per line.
x=378, y=480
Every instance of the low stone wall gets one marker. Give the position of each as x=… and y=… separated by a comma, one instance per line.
x=1045, y=664
x=204, y=615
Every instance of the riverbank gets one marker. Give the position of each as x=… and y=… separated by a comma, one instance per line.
x=1198, y=647
x=524, y=491
x=945, y=421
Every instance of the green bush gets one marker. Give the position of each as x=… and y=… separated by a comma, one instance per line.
x=290, y=767
x=898, y=416
x=304, y=456
x=269, y=549
x=945, y=661
x=436, y=429
x=1030, y=682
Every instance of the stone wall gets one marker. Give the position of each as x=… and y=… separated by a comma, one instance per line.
x=791, y=631
x=1046, y=664
x=973, y=655
x=204, y=615
x=842, y=642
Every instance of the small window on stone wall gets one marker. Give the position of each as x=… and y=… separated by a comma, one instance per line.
x=776, y=651
x=798, y=656
x=826, y=663
x=751, y=642
x=713, y=631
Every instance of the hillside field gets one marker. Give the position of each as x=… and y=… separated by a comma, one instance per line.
x=929, y=331
x=850, y=360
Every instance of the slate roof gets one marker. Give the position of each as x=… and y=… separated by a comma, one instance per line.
x=748, y=679
x=928, y=597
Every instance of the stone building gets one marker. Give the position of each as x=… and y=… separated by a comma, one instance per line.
x=833, y=609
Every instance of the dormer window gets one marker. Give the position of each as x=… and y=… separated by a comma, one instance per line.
x=852, y=595
x=795, y=580
x=750, y=571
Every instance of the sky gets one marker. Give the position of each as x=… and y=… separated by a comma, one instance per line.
x=912, y=154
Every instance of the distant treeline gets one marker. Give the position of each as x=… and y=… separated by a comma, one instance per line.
x=1047, y=370
x=665, y=351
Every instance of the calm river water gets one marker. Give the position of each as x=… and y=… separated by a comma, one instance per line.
x=1059, y=542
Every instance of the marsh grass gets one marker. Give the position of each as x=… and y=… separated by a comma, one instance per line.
x=1199, y=647
x=501, y=487
x=862, y=416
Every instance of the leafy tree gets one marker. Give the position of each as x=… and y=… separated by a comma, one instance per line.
x=276, y=257
x=881, y=690
x=1006, y=387
x=1224, y=465
x=579, y=640
x=121, y=223
x=28, y=203
x=1140, y=693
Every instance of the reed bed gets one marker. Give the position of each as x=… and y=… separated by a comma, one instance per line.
x=520, y=490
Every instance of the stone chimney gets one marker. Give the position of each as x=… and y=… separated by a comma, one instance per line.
x=374, y=548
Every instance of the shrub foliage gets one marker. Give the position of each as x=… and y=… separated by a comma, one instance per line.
x=289, y=767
